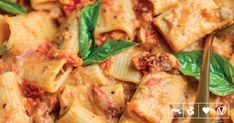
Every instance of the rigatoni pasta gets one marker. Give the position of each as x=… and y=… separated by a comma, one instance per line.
x=121, y=67
x=12, y=109
x=117, y=16
x=151, y=102
x=91, y=74
x=47, y=74
x=67, y=38
x=190, y=21
x=83, y=96
x=79, y=114
x=116, y=92
x=109, y=101
x=21, y=32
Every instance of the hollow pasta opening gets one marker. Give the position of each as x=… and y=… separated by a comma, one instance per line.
x=61, y=72
x=4, y=32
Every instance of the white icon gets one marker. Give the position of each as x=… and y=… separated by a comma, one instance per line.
x=177, y=111
x=190, y=111
x=206, y=110
x=221, y=110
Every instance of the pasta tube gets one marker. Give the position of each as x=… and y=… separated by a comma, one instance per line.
x=121, y=67
x=12, y=108
x=48, y=74
x=67, y=38
x=154, y=95
x=110, y=99
x=91, y=74
x=190, y=21
x=117, y=15
x=79, y=114
x=83, y=96
x=33, y=31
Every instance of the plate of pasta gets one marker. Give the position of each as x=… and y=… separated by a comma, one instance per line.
x=114, y=61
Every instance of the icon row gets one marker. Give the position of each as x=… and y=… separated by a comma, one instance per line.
x=199, y=110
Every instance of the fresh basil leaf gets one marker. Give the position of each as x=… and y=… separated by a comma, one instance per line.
x=88, y=20
x=11, y=7
x=91, y=55
x=221, y=71
x=107, y=50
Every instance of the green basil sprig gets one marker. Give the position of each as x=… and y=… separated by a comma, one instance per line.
x=11, y=7
x=91, y=55
x=108, y=49
x=221, y=71
x=88, y=20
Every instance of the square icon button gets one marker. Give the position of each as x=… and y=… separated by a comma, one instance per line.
x=191, y=111
x=204, y=110
x=222, y=110
x=177, y=110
